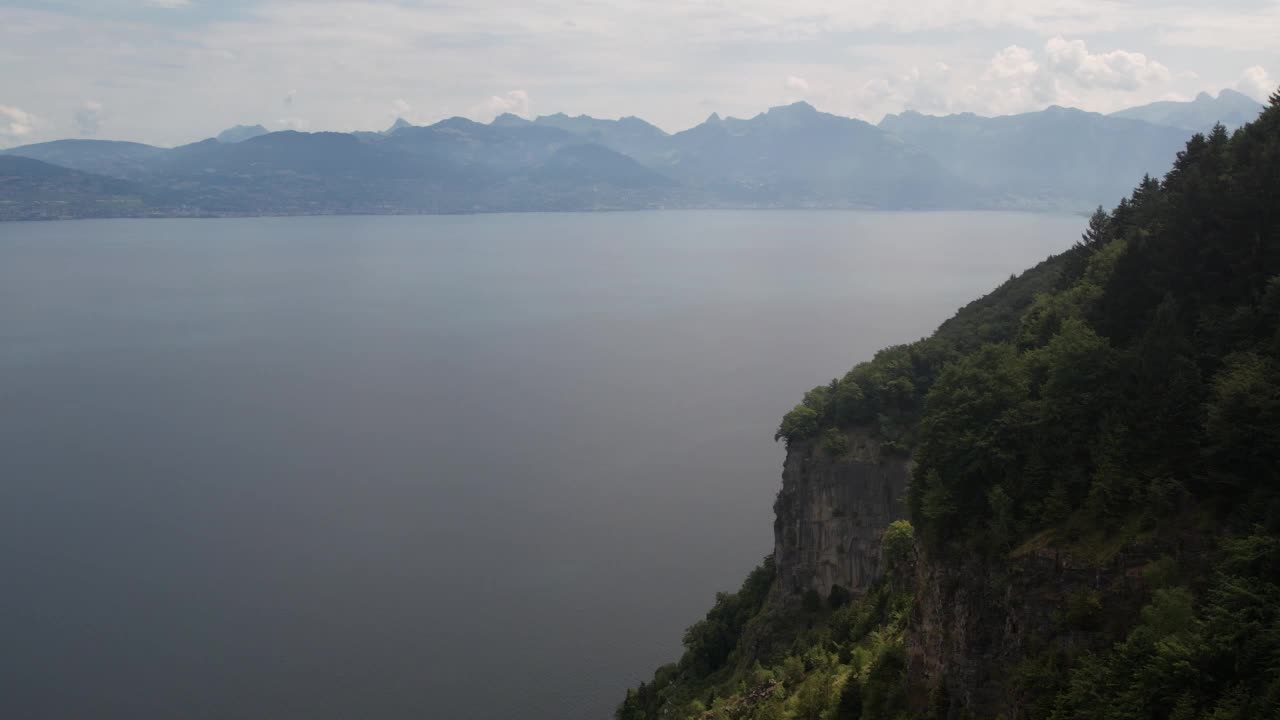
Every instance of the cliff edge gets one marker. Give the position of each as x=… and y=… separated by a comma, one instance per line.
x=833, y=508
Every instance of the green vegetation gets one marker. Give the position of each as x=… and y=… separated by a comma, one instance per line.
x=842, y=659
x=1121, y=397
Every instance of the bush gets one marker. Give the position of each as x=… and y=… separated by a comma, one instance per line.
x=800, y=423
x=835, y=443
x=898, y=544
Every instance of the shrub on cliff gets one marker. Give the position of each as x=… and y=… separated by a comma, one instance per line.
x=799, y=424
x=835, y=443
x=898, y=545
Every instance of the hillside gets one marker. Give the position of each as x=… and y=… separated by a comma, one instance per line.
x=112, y=158
x=1086, y=460
x=34, y=190
x=1058, y=158
x=1229, y=108
x=795, y=156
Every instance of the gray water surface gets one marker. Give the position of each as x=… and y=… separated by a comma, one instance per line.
x=418, y=467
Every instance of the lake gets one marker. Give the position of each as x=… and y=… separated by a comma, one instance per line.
x=419, y=467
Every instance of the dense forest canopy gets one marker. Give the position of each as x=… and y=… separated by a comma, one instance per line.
x=1123, y=391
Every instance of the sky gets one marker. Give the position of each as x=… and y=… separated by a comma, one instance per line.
x=168, y=72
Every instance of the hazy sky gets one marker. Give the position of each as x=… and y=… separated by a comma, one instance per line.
x=173, y=71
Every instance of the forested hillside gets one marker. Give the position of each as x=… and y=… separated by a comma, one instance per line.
x=1094, y=504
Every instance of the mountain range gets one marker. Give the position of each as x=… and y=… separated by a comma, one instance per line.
x=792, y=156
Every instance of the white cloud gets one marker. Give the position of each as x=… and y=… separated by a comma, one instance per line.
x=16, y=125
x=343, y=61
x=515, y=102
x=1255, y=83
x=1015, y=81
x=401, y=107
x=1064, y=73
x=88, y=119
x=167, y=4
x=1118, y=69
x=1013, y=62
x=1019, y=79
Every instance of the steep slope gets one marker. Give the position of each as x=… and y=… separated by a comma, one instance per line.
x=34, y=190
x=797, y=156
x=399, y=123
x=1094, y=492
x=287, y=173
x=1057, y=158
x=629, y=135
x=462, y=143
x=102, y=157
x=595, y=164
x=1230, y=108
x=240, y=133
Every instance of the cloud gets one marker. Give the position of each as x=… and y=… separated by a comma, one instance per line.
x=294, y=123
x=1013, y=62
x=1255, y=83
x=88, y=118
x=1017, y=79
x=515, y=102
x=401, y=107
x=796, y=84
x=16, y=125
x=1064, y=73
x=347, y=59
x=168, y=4
x=1118, y=69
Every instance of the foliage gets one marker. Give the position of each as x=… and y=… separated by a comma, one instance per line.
x=842, y=662
x=898, y=543
x=1091, y=403
x=835, y=442
x=1215, y=658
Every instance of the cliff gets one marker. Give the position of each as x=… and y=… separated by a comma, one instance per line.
x=1093, y=488
x=981, y=630
x=831, y=513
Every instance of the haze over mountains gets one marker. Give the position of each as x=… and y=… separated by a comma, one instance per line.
x=1230, y=108
x=793, y=156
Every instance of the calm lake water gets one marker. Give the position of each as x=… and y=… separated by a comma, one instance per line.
x=418, y=467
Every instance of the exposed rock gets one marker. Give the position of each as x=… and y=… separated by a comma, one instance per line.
x=831, y=513
x=977, y=620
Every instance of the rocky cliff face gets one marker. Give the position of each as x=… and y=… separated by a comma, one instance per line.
x=831, y=512
x=974, y=620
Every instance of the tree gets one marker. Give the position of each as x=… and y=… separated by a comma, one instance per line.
x=799, y=424
x=898, y=544
x=1099, y=230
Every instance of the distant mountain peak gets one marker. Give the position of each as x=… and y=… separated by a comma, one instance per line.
x=399, y=123
x=456, y=122
x=509, y=120
x=1230, y=108
x=712, y=119
x=240, y=133
x=795, y=108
